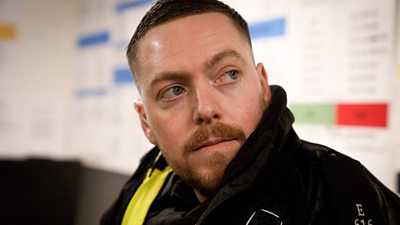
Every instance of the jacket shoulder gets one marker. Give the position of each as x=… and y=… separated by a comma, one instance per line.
x=351, y=192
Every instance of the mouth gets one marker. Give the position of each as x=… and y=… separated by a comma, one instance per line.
x=212, y=142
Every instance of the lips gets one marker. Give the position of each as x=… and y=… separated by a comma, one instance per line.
x=211, y=142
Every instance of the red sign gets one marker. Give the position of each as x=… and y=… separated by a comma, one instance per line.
x=373, y=115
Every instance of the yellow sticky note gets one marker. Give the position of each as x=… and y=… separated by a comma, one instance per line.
x=7, y=32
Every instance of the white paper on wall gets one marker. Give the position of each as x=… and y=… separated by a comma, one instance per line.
x=336, y=61
x=33, y=127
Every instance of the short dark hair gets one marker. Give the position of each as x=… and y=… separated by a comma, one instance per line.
x=165, y=10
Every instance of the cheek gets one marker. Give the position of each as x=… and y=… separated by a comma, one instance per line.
x=249, y=110
x=169, y=131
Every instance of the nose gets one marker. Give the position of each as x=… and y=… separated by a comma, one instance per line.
x=206, y=110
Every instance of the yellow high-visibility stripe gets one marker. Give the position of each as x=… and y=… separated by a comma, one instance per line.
x=146, y=193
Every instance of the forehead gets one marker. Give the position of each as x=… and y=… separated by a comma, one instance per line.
x=188, y=41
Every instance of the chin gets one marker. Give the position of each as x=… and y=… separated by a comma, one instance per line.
x=207, y=180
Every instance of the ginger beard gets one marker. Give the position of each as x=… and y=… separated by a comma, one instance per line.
x=206, y=182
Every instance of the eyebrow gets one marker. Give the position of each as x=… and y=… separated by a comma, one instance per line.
x=169, y=76
x=220, y=56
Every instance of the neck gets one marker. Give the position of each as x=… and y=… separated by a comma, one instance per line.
x=201, y=197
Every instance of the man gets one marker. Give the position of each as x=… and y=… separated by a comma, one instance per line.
x=225, y=150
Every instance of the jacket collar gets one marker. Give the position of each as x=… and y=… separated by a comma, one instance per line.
x=264, y=143
x=268, y=136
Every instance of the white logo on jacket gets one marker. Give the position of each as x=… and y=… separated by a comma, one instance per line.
x=265, y=212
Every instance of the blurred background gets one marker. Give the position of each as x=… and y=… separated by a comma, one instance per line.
x=66, y=92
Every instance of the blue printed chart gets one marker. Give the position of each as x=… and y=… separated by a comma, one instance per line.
x=106, y=130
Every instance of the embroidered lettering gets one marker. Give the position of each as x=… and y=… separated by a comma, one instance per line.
x=362, y=221
x=360, y=210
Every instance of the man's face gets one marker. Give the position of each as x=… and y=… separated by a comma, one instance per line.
x=202, y=95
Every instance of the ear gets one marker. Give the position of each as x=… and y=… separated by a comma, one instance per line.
x=138, y=104
x=263, y=76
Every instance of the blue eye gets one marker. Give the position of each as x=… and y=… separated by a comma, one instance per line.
x=172, y=93
x=177, y=90
x=233, y=74
x=229, y=77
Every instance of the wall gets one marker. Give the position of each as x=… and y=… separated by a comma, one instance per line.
x=37, y=52
x=66, y=90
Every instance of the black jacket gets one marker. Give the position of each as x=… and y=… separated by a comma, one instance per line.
x=275, y=178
